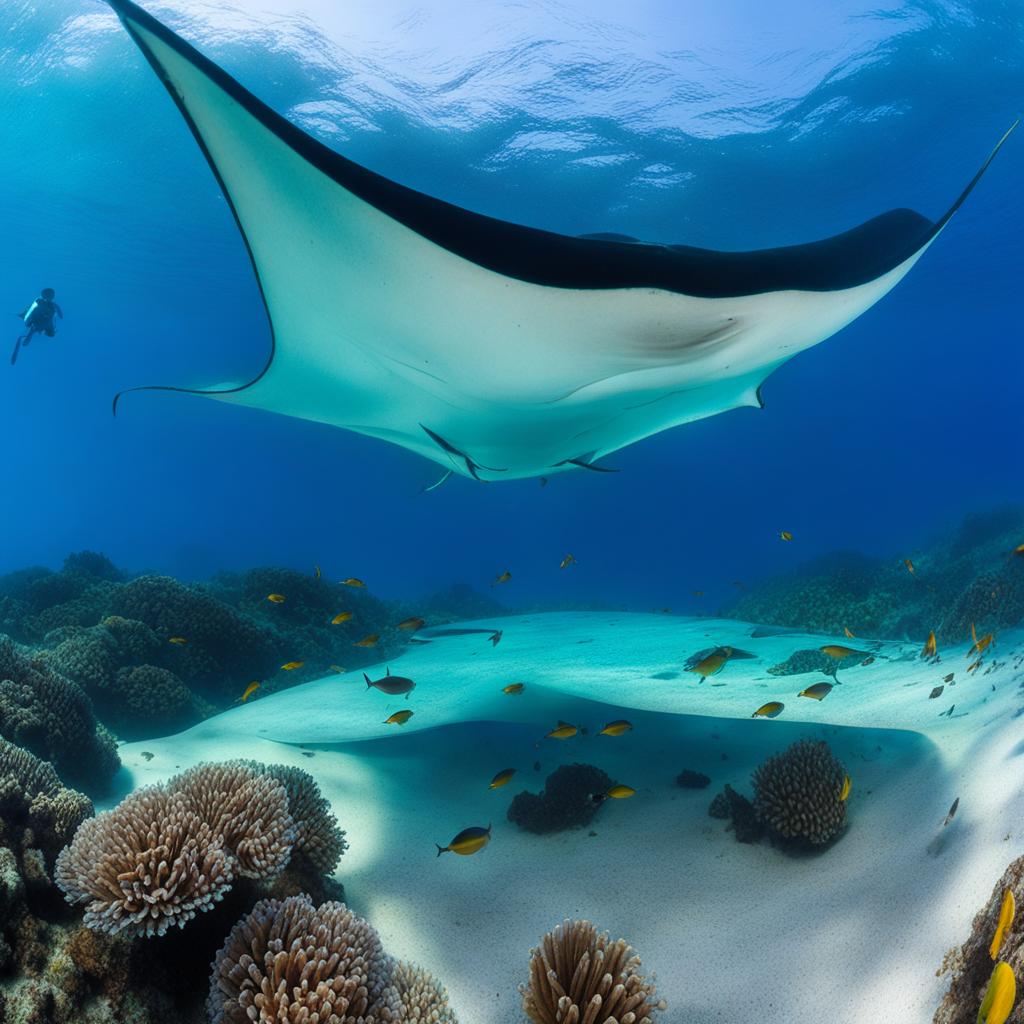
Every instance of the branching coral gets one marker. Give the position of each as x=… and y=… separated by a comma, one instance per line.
x=47, y=714
x=578, y=976
x=797, y=794
x=290, y=962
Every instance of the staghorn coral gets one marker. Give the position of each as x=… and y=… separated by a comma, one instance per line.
x=578, y=976
x=247, y=809
x=566, y=802
x=423, y=998
x=971, y=963
x=149, y=864
x=50, y=716
x=796, y=794
x=289, y=962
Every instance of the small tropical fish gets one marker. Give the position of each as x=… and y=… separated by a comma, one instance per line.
x=338, y=669
x=496, y=636
x=412, y=624
x=393, y=685
x=974, y=666
x=1006, y=915
x=249, y=691
x=502, y=778
x=468, y=841
x=290, y=666
x=616, y=728
x=316, y=572
x=147, y=754
x=948, y=678
x=341, y=617
x=952, y=810
x=368, y=641
x=785, y=535
x=974, y=635
x=1019, y=550
x=1000, y=995
x=868, y=660
x=562, y=731
x=399, y=717
x=503, y=578
x=936, y=692
x=770, y=710
x=930, y=649
x=844, y=792
x=949, y=713
x=179, y=640
x=819, y=691
x=614, y=793
x=848, y=634
x=513, y=688
x=353, y=581
x=839, y=652
x=910, y=566
x=275, y=598
x=567, y=561
x=981, y=645
x=713, y=663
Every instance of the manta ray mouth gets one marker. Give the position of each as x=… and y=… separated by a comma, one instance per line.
x=519, y=338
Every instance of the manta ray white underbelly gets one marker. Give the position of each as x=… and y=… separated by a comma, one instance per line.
x=496, y=350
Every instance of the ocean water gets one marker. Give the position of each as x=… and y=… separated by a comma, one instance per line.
x=874, y=502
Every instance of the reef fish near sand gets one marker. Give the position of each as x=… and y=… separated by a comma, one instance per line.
x=468, y=841
x=395, y=686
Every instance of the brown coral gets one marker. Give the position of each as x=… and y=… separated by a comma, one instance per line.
x=797, y=794
x=148, y=864
x=249, y=810
x=290, y=962
x=423, y=998
x=578, y=976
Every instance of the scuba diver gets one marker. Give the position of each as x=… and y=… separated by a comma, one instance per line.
x=38, y=319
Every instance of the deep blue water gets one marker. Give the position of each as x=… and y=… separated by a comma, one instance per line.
x=729, y=127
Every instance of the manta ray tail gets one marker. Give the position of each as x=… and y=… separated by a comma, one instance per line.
x=434, y=486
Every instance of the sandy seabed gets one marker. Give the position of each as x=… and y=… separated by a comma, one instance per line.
x=733, y=932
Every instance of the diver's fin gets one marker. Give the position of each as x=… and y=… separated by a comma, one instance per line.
x=434, y=486
x=17, y=349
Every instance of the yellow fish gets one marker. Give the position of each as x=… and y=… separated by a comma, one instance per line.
x=368, y=641
x=353, y=581
x=999, y=996
x=249, y=691
x=1006, y=914
x=616, y=728
x=562, y=731
x=338, y=669
x=981, y=644
x=567, y=561
x=468, y=841
x=839, y=652
x=290, y=666
x=974, y=635
x=179, y=640
x=713, y=663
x=414, y=623
x=785, y=535
x=615, y=793
x=1019, y=550
x=513, y=688
x=930, y=648
x=770, y=710
x=503, y=578
x=502, y=778
x=845, y=791
x=399, y=717
x=910, y=566
x=341, y=617
x=819, y=691
x=974, y=666
x=848, y=634
x=316, y=572
x=276, y=598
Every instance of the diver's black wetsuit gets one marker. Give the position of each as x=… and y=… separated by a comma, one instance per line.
x=39, y=318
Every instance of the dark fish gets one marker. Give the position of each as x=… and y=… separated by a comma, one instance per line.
x=147, y=754
x=949, y=678
x=936, y=692
x=952, y=812
x=393, y=685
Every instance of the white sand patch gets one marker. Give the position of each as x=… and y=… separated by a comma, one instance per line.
x=734, y=932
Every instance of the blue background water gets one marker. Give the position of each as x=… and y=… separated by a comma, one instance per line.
x=732, y=126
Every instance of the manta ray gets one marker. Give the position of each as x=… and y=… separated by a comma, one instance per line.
x=497, y=350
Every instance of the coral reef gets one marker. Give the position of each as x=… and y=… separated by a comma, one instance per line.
x=53, y=718
x=291, y=961
x=578, y=976
x=566, y=801
x=746, y=825
x=971, y=963
x=797, y=794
